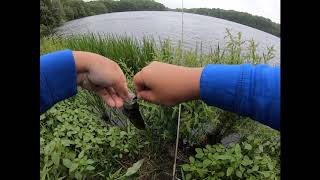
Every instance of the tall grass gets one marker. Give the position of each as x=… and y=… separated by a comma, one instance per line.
x=132, y=55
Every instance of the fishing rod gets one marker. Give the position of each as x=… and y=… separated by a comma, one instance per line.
x=178, y=126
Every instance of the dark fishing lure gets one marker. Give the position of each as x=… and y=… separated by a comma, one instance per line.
x=131, y=110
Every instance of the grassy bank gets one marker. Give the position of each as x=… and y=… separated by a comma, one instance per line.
x=80, y=140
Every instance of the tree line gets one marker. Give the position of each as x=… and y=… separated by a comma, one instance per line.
x=247, y=19
x=53, y=13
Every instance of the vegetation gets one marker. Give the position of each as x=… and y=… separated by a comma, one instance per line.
x=82, y=138
x=54, y=12
x=244, y=18
x=256, y=157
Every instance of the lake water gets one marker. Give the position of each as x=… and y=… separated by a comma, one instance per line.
x=164, y=24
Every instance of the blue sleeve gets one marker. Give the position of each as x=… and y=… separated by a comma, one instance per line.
x=248, y=90
x=57, y=78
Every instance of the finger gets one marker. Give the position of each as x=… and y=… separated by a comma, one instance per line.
x=121, y=89
x=138, y=82
x=105, y=95
x=118, y=101
x=148, y=96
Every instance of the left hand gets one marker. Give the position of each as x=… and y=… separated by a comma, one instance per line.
x=103, y=76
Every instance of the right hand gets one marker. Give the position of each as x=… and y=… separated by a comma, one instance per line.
x=167, y=84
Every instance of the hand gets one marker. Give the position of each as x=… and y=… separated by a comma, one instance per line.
x=103, y=76
x=167, y=84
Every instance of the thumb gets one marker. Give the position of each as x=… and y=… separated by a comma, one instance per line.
x=148, y=96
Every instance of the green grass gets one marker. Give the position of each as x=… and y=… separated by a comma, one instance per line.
x=78, y=140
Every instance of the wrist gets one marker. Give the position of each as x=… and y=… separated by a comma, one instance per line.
x=191, y=83
x=82, y=64
x=82, y=61
x=195, y=83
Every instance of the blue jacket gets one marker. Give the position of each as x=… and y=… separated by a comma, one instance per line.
x=248, y=90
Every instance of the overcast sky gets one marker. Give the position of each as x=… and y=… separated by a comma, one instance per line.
x=266, y=8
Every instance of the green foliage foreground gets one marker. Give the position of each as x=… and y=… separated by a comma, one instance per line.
x=82, y=138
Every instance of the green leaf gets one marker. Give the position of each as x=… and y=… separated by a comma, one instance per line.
x=90, y=161
x=199, y=151
x=247, y=146
x=81, y=154
x=239, y=174
x=135, y=167
x=230, y=171
x=261, y=148
x=191, y=159
x=224, y=157
x=112, y=143
x=78, y=175
x=206, y=162
x=73, y=167
x=208, y=147
x=188, y=176
x=90, y=168
x=241, y=168
x=265, y=173
x=49, y=148
x=246, y=161
x=186, y=167
x=255, y=168
x=270, y=165
x=123, y=133
x=55, y=158
x=42, y=117
x=199, y=156
x=220, y=174
x=237, y=149
x=258, y=157
x=66, y=142
x=67, y=163
x=61, y=178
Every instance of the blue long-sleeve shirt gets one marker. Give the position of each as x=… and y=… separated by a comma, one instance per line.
x=247, y=90
x=252, y=91
x=57, y=78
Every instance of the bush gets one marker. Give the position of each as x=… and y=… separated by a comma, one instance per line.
x=44, y=30
x=75, y=141
x=252, y=159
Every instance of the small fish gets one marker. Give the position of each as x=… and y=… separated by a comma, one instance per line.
x=131, y=110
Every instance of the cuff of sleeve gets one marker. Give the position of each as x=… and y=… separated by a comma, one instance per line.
x=59, y=72
x=218, y=85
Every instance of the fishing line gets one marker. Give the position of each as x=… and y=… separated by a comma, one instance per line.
x=178, y=126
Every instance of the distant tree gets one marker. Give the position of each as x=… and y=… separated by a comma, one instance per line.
x=96, y=7
x=69, y=14
x=57, y=11
x=247, y=19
